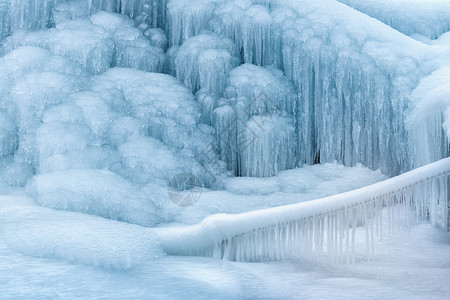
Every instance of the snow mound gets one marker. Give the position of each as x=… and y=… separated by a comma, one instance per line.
x=77, y=238
x=97, y=192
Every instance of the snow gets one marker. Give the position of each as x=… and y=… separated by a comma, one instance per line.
x=428, y=18
x=40, y=232
x=96, y=192
x=123, y=260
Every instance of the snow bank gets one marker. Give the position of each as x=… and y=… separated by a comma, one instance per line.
x=97, y=192
x=41, y=232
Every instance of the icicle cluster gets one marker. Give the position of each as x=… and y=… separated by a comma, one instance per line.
x=353, y=82
x=204, y=62
x=255, y=124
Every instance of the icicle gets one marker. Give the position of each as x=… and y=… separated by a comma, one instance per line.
x=366, y=229
x=354, y=223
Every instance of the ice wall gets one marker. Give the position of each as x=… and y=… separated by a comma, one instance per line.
x=340, y=80
x=429, y=118
x=362, y=73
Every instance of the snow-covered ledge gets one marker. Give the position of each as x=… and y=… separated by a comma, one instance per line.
x=325, y=227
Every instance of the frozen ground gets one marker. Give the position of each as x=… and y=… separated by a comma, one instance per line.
x=48, y=254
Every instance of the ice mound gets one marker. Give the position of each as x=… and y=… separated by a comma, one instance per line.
x=267, y=89
x=97, y=192
x=14, y=174
x=77, y=238
x=78, y=39
x=157, y=37
x=8, y=135
x=103, y=41
x=147, y=159
x=132, y=48
x=78, y=133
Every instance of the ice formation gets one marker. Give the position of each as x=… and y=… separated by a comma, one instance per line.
x=68, y=113
x=89, y=123
x=255, y=122
x=204, y=62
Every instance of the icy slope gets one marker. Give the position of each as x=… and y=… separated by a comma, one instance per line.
x=428, y=18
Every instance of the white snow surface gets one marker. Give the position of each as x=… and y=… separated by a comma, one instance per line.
x=429, y=18
x=85, y=256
